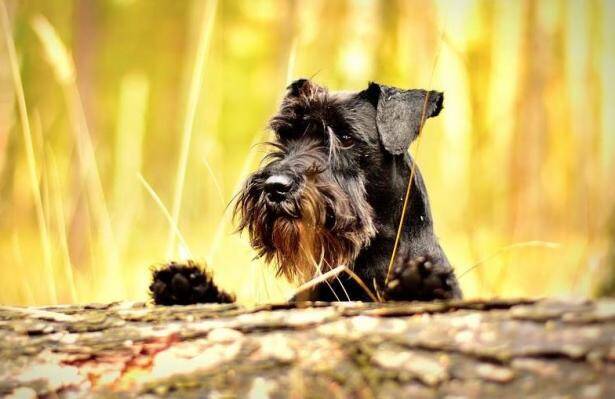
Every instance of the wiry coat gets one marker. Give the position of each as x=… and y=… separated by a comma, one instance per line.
x=331, y=192
x=346, y=155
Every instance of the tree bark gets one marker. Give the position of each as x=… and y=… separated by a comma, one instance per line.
x=470, y=349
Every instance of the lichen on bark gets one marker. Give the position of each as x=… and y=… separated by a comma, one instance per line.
x=498, y=348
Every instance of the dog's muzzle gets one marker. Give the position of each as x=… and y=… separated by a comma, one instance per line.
x=278, y=187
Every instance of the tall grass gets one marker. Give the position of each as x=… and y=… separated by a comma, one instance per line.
x=30, y=156
x=60, y=60
x=130, y=138
x=60, y=220
x=520, y=158
x=172, y=223
x=196, y=83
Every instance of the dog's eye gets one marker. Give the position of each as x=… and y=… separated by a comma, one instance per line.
x=346, y=140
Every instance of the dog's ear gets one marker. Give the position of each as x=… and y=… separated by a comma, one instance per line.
x=299, y=87
x=400, y=114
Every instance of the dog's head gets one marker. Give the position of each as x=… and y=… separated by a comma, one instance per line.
x=307, y=208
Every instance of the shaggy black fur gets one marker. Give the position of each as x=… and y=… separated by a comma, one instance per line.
x=184, y=284
x=331, y=193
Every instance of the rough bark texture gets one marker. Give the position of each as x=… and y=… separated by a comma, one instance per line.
x=503, y=349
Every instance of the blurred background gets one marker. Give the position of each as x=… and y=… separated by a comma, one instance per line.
x=126, y=127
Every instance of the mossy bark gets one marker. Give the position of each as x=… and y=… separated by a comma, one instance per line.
x=467, y=349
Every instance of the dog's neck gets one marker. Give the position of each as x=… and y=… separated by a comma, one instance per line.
x=372, y=262
x=388, y=202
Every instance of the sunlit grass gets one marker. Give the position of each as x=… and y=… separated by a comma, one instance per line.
x=60, y=219
x=333, y=273
x=130, y=140
x=196, y=82
x=60, y=60
x=172, y=222
x=102, y=102
x=214, y=181
x=30, y=156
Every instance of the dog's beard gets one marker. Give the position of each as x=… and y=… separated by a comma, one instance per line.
x=321, y=229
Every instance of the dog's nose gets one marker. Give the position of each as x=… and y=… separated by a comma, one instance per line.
x=277, y=187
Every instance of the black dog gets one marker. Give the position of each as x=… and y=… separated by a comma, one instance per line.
x=331, y=193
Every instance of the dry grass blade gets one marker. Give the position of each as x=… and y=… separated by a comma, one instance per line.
x=166, y=213
x=544, y=244
x=61, y=226
x=318, y=269
x=215, y=181
x=404, y=208
x=193, y=98
x=61, y=61
x=334, y=273
x=412, y=172
x=292, y=61
x=26, y=283
x=132, y=109
x=57, y=55
x=319, y=279
x=361, y=283
x=31, y=159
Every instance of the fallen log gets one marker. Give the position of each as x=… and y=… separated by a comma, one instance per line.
x=470, y=349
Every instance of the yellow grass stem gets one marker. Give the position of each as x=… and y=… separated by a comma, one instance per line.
x=406, y=196
x=166, y=213
x=61, y=61
x=193, y=98
x=292, y=62
x=61, y=226
x=93, y=181
x=26, y=283
x=43, y=178
x=30, y=156
x=333, y=273
x=128, y=154
x=361, y=283
x=318, y=268
x=413, y=170
x=214, y=180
